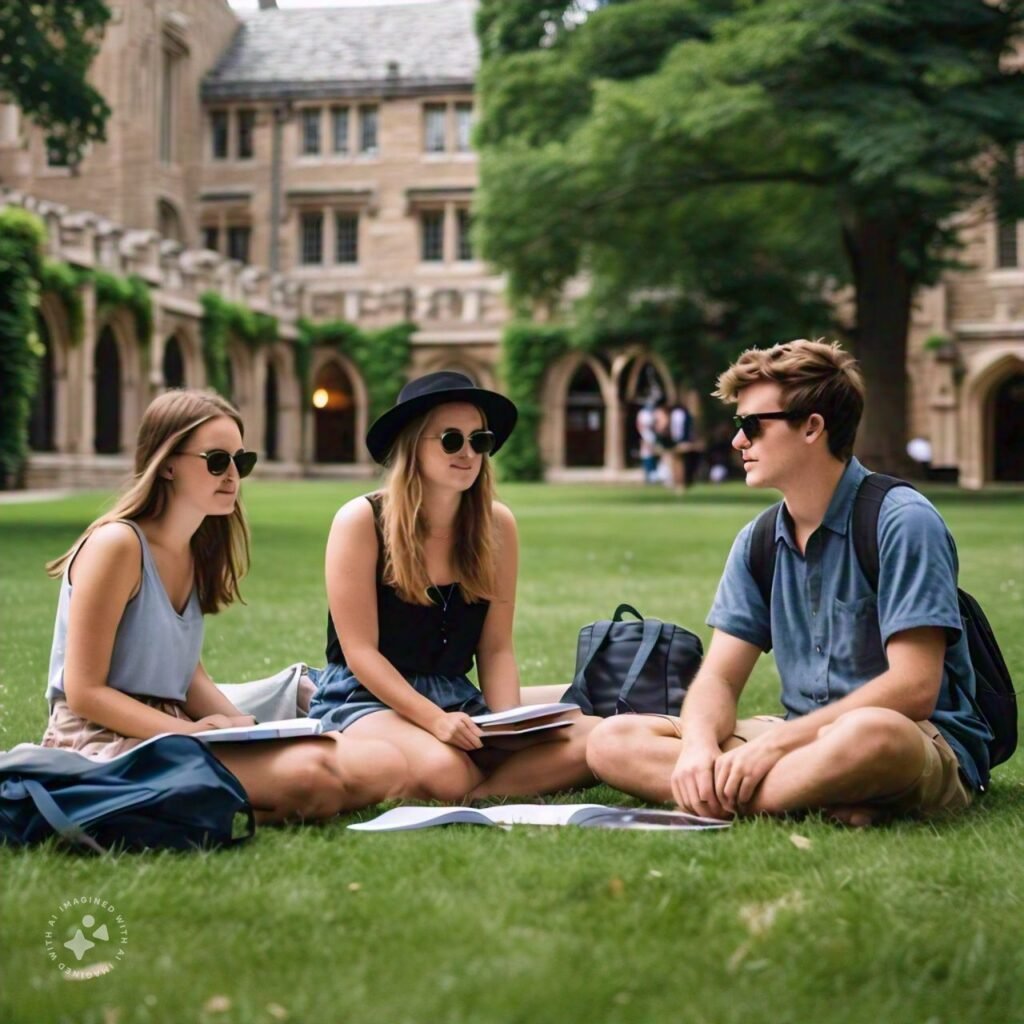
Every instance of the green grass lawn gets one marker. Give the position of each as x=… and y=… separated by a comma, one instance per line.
x=907, y=923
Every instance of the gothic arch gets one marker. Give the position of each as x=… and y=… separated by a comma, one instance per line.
x=554, y=398
x=53, y=320
x=359, y=419
x=117, y=387
x=977, y=411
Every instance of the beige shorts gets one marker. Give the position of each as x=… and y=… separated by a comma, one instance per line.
x=939, y=790
x=68, y=731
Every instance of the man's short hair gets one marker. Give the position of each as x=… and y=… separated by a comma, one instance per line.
x=813, y=376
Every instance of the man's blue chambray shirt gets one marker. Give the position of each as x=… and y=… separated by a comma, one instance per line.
x=829, y=629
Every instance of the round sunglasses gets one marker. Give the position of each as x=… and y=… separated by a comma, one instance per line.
x=218, y=460
x=751, y=423
x=452, y=440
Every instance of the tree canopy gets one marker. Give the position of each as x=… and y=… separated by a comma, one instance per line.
x=753, y=156
x=47, y=47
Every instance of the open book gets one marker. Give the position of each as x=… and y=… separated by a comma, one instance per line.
x=284, y=729
x=526, y=719
x=514, y=722
x=591, y=815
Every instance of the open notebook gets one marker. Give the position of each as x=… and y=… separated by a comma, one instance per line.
x=514, y=722
x=401, y=819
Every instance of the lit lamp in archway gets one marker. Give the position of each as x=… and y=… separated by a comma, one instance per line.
x=321, y=397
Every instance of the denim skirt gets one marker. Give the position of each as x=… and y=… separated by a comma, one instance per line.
x=340, y=699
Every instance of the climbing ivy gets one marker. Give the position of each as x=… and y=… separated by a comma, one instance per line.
x=382, y=356
x=22, y=237
x=223, y=320
x=131, y=293
x=63, y=280
x=527, y=350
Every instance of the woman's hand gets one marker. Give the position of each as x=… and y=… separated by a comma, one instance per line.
x=221, y=722
x=457, y=729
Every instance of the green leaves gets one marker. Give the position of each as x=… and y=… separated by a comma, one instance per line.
x=223, y=320
x=21, y=256
x=48, y=46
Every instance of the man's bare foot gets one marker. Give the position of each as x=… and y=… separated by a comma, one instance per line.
x=856, y=815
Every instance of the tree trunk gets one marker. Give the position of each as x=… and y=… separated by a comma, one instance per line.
x=885, y=290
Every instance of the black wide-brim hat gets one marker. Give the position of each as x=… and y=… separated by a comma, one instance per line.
x=423, y=394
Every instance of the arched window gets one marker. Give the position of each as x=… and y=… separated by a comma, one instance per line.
x=174, y=364
x=584, y=420
x=334, y=415
x=107, y=395
x=1008, y=432
x=637, y=385
x=270, y=400
x=41, y=424
x=168, y=221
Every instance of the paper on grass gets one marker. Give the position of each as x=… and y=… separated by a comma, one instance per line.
x=588, y=815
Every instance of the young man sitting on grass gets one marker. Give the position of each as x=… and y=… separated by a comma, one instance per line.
x=877, y=688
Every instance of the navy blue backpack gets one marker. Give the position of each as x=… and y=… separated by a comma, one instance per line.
x=168, y=793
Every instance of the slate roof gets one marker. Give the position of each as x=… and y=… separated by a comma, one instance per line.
x=320, y=52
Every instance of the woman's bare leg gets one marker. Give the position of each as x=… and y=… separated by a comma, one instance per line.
x=556, y=764
x=313, y=778
x=436, y=770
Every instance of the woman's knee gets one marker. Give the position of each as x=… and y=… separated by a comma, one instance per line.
x=444, y=773
x=615, y=739
x=310, y=786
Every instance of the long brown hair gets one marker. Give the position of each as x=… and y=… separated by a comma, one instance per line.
x=474, y=553
x=220, y=547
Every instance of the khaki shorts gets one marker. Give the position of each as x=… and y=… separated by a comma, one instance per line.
x=939, y=790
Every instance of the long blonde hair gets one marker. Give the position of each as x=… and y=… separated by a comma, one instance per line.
x=474, y=553
x=220, y=547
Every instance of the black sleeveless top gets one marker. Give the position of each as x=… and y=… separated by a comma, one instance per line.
x=437, y=639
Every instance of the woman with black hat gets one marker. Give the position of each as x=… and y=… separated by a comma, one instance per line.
x=421, y=580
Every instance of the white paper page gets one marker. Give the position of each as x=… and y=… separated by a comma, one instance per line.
x=523, y=714
x=399, y=818
x=537, y=814
x=283, y=729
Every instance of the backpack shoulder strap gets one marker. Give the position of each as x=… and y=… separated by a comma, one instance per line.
x=762, y=551
x=866, y=508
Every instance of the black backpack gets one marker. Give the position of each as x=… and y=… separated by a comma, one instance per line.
x=625, y=667
x=994, y=698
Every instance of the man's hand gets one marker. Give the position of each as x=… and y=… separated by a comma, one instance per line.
x=693, y=780
x=740, y=771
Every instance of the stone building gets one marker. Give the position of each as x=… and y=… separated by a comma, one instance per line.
x=318, y=163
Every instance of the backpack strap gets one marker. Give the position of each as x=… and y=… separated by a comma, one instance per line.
x=866, y=508
x=762, y=551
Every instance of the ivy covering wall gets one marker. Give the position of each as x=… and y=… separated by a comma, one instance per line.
x=527, y=350
x=22, y=237
x=223, y=320
x=382, y=356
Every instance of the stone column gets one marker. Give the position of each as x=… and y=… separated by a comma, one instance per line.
x=83, y=441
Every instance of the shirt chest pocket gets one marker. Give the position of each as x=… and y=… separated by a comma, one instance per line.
x=856, y=652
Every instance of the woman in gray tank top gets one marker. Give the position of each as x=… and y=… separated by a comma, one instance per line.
x=125, y=663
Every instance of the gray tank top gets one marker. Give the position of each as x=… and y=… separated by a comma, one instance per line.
x=156, y=650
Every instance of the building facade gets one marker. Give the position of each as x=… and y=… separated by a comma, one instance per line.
x=318, y=163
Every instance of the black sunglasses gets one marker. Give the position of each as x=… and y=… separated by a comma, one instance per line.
x=452, y=440
x=218, y=460
x=751, y=423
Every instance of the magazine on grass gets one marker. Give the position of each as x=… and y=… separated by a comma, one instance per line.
x=401, y=819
